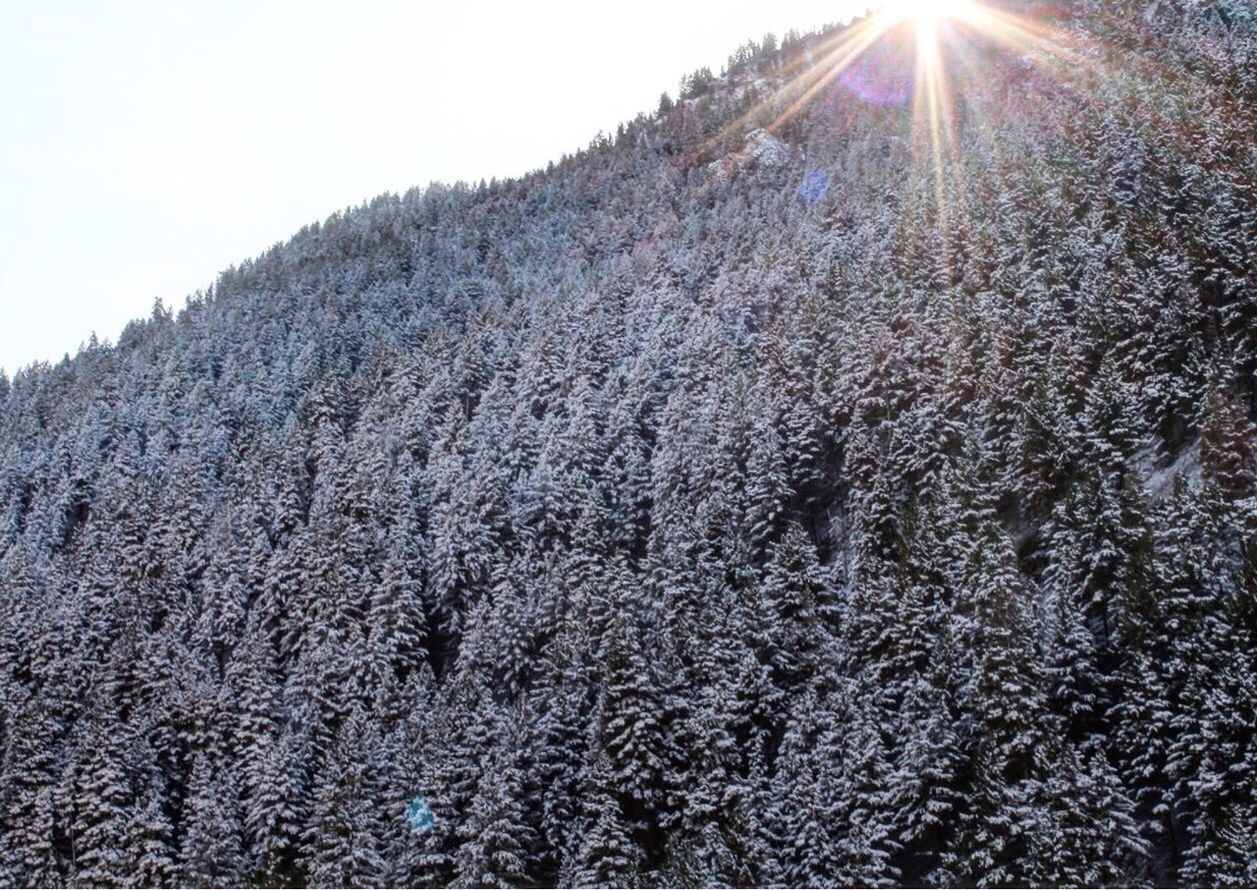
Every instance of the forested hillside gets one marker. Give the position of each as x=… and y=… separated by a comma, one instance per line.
x=751, y=498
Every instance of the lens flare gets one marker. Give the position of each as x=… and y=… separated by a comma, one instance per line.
x=903, y=53
x=939, y=61
x=927, y=12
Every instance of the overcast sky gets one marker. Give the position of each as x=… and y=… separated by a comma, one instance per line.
x=148, y=145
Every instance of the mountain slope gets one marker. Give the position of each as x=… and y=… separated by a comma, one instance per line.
x=752, y=498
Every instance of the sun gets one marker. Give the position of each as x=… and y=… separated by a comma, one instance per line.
x=926, y=13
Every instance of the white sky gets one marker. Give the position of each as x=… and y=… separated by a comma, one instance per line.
x=145, y=146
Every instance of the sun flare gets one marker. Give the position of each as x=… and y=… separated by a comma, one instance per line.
x=926, y=12
x=927, y=57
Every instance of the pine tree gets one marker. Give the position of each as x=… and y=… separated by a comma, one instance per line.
x=927, y=786
x=274, y=808
x=789, y=596
x=153, y=856
x=212, y=851
x=31, y=821
x=497, y=839
x=102, y=791
x=630, y=719
x=1001, y=697
x=871, y=843
x=811, y=798
x=341, y=842
x=607, y=856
